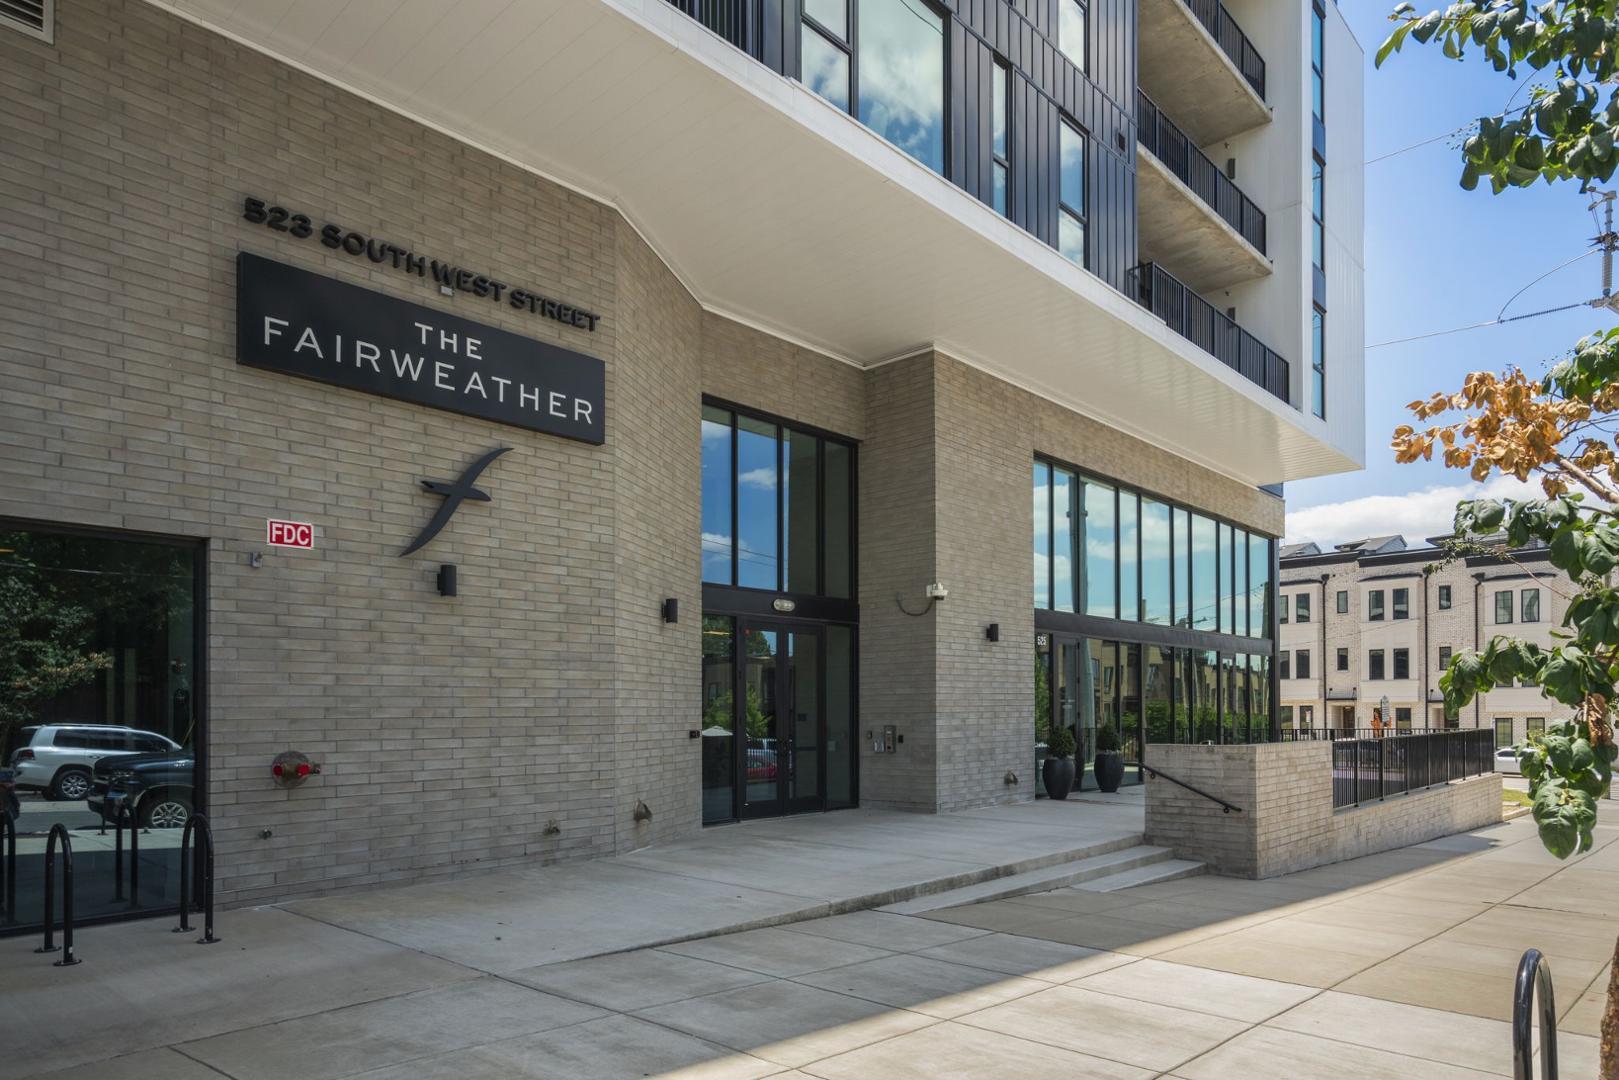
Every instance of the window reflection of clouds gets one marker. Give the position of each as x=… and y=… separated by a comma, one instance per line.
x=902, y=76
x=825, y=69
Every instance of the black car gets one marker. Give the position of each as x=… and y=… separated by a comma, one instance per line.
x=160, y=788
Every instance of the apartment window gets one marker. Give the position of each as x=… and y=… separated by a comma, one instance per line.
x=1444, y=657
x=1444, y=598
x=1286, y=600
x=1374, y=605
x=1071, y=218
x=1301, y=664
x=1402, y=603
x=1284, y=665
x=1503, y=731
x=1306, y=716
x=1072, y=22
x=1343, y=659
x=1318, y=31
x=1303, y=603
x=1343, y=601
x=1402, y=718
x=1318, y=363
x=898, y=69
x=1374, y=663
x=1534, y=725
x=1529, y=610
x=1503, y=606
x=1000, y=138
x=1402, y=663
x=1286, y=712
x=1318, y=212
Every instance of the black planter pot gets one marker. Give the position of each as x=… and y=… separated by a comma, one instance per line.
x=1058, y=776
x=1109, y=770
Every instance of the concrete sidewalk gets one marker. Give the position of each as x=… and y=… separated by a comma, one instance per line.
x=142, y=987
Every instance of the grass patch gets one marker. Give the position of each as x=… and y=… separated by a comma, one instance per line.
x=1509, y=797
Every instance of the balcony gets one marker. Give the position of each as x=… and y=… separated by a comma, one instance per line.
x=1192, y=217
x=1201, y=323
x=1199, y=65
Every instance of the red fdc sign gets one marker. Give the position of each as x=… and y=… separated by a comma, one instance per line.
x=293, y=534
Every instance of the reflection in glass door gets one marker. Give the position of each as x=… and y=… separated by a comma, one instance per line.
x=762, y=759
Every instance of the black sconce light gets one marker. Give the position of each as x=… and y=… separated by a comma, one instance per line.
x=446, y=580
x=993, y=631
x=671, y=610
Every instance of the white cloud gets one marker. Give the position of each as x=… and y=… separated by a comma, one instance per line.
x=1416, y=515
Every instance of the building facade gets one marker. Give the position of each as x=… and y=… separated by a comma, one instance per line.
x=1368, y=628
x=574, y=423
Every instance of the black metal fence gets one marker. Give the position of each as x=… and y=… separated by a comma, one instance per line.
x=1170, y=145
x=1323, y=734
x=1209, y=328
x=1232, y=41
x=730, y=19
x=1364, y=770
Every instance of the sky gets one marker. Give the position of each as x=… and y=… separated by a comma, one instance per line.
x=1438, y=257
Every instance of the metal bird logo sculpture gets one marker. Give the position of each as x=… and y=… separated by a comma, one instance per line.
x=454, y=495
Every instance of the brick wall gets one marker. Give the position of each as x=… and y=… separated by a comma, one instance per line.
x=1288, y=822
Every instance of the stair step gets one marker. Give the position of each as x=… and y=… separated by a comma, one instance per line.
x=1045, y=879
x=1162, y=870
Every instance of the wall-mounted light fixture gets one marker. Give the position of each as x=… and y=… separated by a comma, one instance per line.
x=993, y=631
x=446, y=580
x=671, y=610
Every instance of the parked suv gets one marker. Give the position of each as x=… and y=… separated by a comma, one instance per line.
x=159, y=787
x=57, y=759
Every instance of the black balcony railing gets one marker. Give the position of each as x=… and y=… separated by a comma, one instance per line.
x=1210, y=329
x=1364, y=770
x=730, y=19
x=1233, y=42
x=1169, y=144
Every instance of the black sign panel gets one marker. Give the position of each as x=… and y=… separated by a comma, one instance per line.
x=299, y=323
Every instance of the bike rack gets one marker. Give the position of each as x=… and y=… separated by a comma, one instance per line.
x=1534, y=974
x=201, y=891
x=68, y=959
x=125, y=811
x=8, y=870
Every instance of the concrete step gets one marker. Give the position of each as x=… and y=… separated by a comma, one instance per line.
x=1044, y=879
x=1162, y=870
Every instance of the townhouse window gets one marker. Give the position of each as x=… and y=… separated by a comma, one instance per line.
x=1318, y=33
x=1402, y=718
x=1444, y=657
x=1318, y=212
x=1282, y=617
x=1284, y=665
x=1318, y=363
x=1503, y=606
x=1287, y=716
x=1402, y=663
x=1303, y=607
x=1073, y=21
x=1534, y=725
x=1374, y=605
x=1343, y=601
x=1402, y=603
x=1503, y=731
x=1343, y=659
x=1000, y=139
x=1301, y=664
x=893, y=82
x=1444, y=598
x=1529, y=610
x=1306, y=716
x=1374, y=664
x=1071, y=216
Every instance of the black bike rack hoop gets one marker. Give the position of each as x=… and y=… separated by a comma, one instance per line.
x=59, y=832
x=201, y=892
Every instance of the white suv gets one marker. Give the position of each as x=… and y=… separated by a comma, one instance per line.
x=57, y=758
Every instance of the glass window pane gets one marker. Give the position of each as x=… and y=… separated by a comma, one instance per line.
x=1130, y=708
x=1071, y=189
x=756, y=484
x=1062, y=540
x=902, y=76
x=1205, y=582
x=832, y=14
x=716, y=497
x=1258, y=698
x=1228, y=588
x=719, y=718
x=998, y=119
x=800, y=521
x=1205, y=696
x=997, y=197
x=1042, y=535
x=1157, y=666
x=1129, y=540
x=1071, y=239
x=839, y=520
x=1181, y=521
x=1258, y=586
x=1071, y=31
x=1101, y=551
x=840, y=704
x=824, y=68
x=1155, y=585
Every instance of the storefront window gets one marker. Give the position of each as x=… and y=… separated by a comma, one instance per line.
x=839, y=514
x=1181, y=530
x=1259, y=549
x=719, y=721
x=1129, y=546
x=1205, y=578
x=800, y=516
x=716, y=497
x=1042, y=535
x=1101, y=538
x=757, y=477
x=1062, y=540
x=99, y=721
x=1155, y=562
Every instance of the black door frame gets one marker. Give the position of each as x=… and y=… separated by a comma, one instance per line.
x=785, y=719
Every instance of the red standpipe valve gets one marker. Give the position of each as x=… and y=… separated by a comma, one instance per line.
x=291, y=768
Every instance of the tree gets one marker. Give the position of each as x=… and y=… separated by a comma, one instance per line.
x=44, y=645
x=1559, y=429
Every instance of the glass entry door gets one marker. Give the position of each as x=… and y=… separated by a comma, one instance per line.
x=782, y=719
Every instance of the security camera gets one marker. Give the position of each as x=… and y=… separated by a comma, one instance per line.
x=937, y=591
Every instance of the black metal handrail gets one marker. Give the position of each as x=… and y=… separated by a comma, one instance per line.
x=732, y=20
x=68, y=959
x=126, y=812
x=1534, y=976
x=1367, y=770
x=8, y=869
x=1232, y=41
x=1165, y=141
x=201, y=893
x=1209, y=328
x=1225, y=807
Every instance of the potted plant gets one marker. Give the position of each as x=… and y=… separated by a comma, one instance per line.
x=1058, y=772
x=1109, y=763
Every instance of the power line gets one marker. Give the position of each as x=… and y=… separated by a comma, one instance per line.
x=1497, y=321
